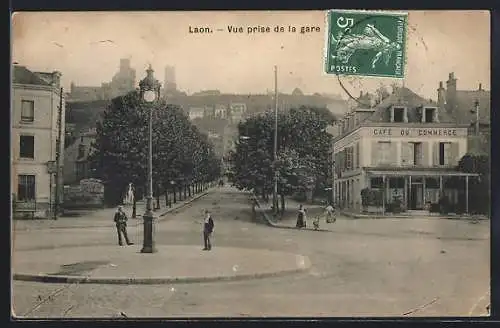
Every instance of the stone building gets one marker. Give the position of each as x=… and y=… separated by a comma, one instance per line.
x=121, y=83
x=406, y=148
x=37, y=121
x=76, y=164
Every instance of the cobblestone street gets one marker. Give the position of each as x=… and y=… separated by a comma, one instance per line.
x=360, y=267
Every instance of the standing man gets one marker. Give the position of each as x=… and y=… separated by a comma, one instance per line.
x=121, y=226
x=208, y=228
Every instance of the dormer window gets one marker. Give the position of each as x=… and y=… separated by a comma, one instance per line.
x=399, y=114
x=430, y=115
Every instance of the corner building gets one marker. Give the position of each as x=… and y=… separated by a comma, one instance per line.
x=406, y=147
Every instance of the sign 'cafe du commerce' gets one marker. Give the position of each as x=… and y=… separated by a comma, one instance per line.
x=418, y=132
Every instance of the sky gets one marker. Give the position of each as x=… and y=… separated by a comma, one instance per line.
x=86, y=48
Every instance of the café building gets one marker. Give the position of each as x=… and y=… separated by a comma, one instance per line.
x=406, y=149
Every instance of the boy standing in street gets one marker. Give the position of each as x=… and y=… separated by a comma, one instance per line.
x=208, y=228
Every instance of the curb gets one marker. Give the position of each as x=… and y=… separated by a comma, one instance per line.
x=157, y=281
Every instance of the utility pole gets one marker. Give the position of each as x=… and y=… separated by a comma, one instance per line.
x=275, y=191
x=58, y=154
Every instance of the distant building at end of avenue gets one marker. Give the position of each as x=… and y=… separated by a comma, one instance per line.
x=402, y=154
x=37, y=122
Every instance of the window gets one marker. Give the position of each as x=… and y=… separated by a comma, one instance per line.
x=81, y=151
x=27, y=110
x=432, y=183
x=27, y=147
x=384, y=152
x=399, y=114
x=376, y=183
x=417, y=153
x=444, y=153
x=429, y=114
x=81, y=170
x=396, y=183
x=26, y=188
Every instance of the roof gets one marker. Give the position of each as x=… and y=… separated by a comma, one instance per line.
x=22, y=75
x=465, y=103
x=405, y=97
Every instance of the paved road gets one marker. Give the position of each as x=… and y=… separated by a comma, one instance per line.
x=417, y=267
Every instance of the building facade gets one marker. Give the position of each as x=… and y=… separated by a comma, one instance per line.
x=467, y=106
x=37, y=122
x=76, y=164
x=405, y=148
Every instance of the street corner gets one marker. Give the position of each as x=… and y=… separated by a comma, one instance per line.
x=169, y=264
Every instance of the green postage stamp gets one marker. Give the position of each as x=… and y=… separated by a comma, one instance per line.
x=367, y=43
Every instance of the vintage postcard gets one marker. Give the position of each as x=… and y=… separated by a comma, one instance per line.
x=250, y=164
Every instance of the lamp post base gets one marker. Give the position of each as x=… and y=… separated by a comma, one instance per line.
x=148, y=245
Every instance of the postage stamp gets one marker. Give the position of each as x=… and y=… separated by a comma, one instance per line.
x=366, y=43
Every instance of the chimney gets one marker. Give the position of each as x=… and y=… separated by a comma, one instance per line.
x=451, y=93
x=441, y=96
x=480, y=87
x=56, y=79
x=360, y=94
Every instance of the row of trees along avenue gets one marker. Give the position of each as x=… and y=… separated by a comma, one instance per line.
x=302, y=154
x=183, y=158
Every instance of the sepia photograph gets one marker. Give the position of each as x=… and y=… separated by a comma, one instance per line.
x=250, y=164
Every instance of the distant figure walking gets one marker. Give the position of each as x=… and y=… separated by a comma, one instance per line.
x=301, y=217
x=129, y=195
x=208, y=228
x=330, y=214
x=121, y=226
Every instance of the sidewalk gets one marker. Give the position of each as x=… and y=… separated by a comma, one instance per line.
x=101, y=218
x=171, y=264
x=288, y=220
x=409, y=216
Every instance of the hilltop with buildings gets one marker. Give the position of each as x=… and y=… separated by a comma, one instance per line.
x=212, y=111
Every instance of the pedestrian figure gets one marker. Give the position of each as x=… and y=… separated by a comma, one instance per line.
x=208, y=228
x=330, y=214
x=121, y=226
x=301, y=217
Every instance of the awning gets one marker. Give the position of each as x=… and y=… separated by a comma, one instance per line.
x=421, y=173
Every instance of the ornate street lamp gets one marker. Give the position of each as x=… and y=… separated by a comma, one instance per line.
x=150, y=92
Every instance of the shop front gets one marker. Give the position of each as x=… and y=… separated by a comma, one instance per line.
x=414, y=191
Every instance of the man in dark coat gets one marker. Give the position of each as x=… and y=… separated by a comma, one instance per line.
x=121, y=226
x=208, y=228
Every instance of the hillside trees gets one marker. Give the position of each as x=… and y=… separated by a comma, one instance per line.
x=182, y=155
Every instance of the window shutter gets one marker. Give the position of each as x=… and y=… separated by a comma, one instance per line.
x=435, y=154
x=358, y=159
x=374, y=159
x=405, y=118
x=425, y=153
x=406, y=153
x=394, y=153
x=454, y=156
x=392, y=114
x=436, y=115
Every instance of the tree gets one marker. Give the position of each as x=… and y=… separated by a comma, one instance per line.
x=303, y=148
x=479, y=189
x=180, y=151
